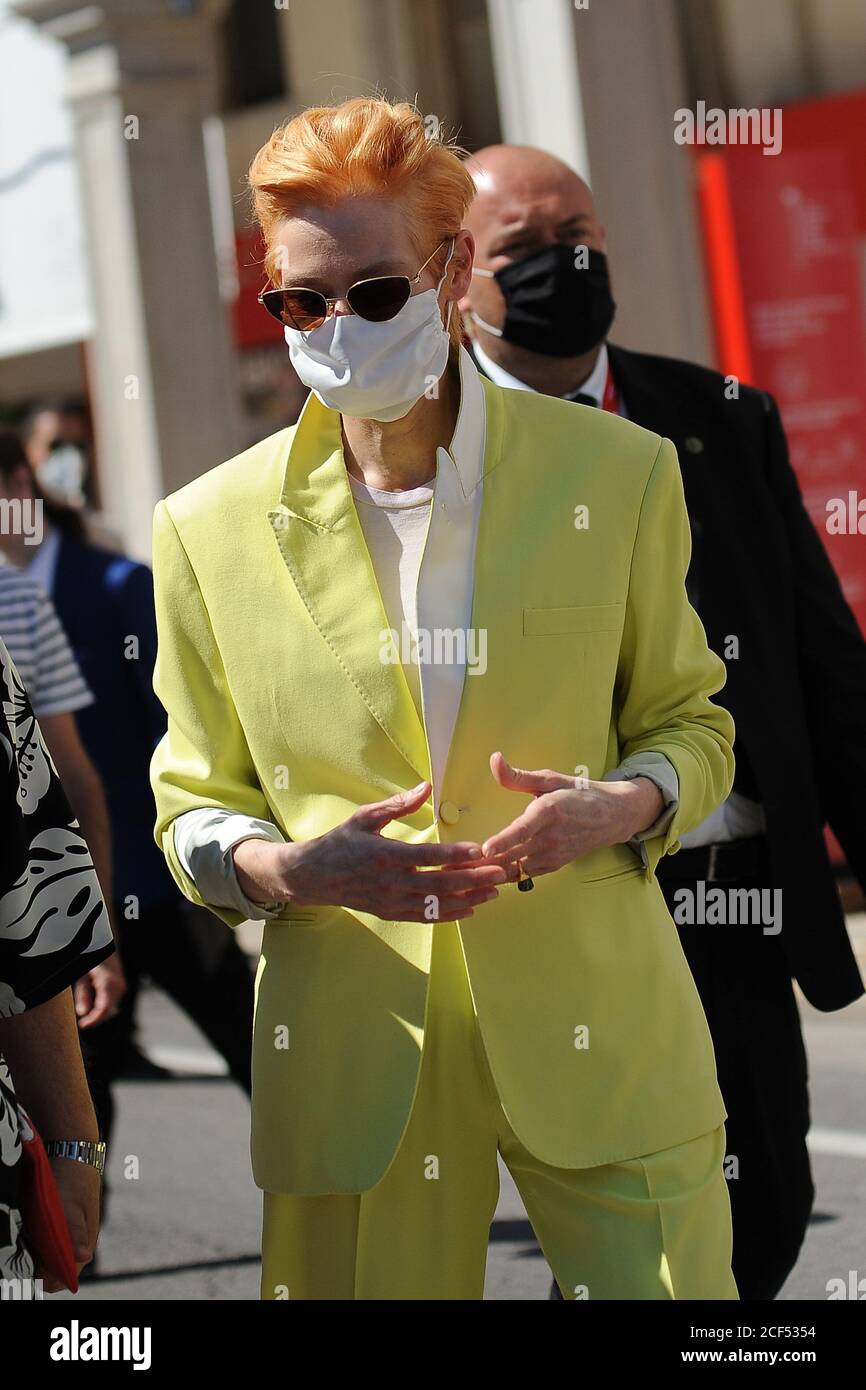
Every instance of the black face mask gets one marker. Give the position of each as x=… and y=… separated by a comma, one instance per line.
x=553, y=306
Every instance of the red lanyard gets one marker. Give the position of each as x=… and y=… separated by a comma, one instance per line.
x=610, y=400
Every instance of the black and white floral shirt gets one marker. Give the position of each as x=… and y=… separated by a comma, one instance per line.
x=53, y=922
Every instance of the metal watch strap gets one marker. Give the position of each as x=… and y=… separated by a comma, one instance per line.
x=89, y=1151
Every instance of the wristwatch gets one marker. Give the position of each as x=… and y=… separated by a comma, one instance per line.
x=87, y=1151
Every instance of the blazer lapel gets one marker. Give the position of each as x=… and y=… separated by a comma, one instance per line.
x=316, y=527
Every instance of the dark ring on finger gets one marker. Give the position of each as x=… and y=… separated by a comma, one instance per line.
x=524, y=882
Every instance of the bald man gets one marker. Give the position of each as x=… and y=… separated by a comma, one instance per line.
x=538, y=313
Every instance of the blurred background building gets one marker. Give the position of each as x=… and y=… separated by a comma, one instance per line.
x=128, y=271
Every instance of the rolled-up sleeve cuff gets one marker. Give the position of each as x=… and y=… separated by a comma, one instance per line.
x=204, y=840
x=660, y=770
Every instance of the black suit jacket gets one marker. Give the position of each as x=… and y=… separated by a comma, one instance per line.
x=797, y=690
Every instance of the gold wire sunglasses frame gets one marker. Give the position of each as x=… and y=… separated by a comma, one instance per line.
x=377, y=299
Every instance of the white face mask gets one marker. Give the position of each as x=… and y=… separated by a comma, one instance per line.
x=375, y=371
x=62, y=475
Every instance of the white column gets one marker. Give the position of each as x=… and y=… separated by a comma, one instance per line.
x=537, y=78
x=162, y=375
x=632, y=83
x=357, y=47
x=118, y=355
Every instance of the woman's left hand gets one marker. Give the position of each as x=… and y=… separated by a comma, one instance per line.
x=568, y=817
x=80, y=1187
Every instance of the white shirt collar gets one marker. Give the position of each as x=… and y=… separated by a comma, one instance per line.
x=466, y=450
x=593, y=386
x=496, y=373
x=597, y=379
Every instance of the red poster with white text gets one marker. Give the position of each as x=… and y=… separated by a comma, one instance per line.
x=798, y=255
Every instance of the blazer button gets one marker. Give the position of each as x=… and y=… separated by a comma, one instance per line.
x=694, y=445
x=448, y=812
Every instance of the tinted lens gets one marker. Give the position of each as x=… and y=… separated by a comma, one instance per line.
x=301, y=309
x=380, y=299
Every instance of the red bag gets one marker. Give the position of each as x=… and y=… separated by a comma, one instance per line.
x=46, y=1230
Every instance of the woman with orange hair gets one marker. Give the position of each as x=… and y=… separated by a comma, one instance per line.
x=358, y=618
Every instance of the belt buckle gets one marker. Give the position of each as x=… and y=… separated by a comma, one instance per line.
x=711, y=864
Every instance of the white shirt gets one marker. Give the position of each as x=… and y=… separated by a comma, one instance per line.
x=394, y=526
x=444, y=563
x=593, y=386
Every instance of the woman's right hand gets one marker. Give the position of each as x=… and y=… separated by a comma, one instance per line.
x=355, y=866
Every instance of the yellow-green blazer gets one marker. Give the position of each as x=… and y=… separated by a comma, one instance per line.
x=279, y=707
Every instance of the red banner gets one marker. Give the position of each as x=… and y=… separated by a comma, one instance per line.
x=784, y=239
x=798, y=254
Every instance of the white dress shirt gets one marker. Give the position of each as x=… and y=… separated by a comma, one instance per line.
x=443, y=560
x=593, y=386
x=394, y=526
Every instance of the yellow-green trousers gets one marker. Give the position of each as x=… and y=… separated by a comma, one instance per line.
x=654, y=1227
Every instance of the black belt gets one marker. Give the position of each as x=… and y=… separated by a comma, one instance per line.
x=725, y=863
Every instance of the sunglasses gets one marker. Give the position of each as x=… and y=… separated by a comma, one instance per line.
x=376, y=300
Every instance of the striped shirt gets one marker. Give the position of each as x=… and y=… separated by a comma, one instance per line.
x=39, y=647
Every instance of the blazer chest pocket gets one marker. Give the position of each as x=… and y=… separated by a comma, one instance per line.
x=556, y=622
